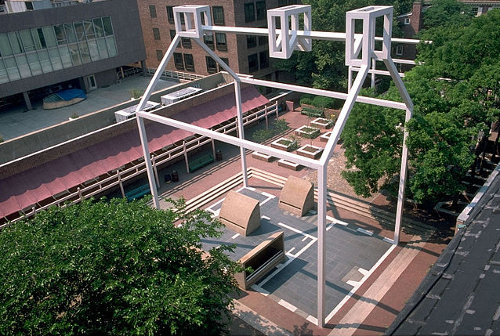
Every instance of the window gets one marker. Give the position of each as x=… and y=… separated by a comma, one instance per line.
x=211, y=65
x=172, y=34
x=253, y=63
x=218, y=14
x=209, y=40
x=260, y=6
x=399, y=50
x=251, y=41
x=178, y=62
x=188, y=62
x=159, y=55
x=225, y=60
x=263, y=40
x=249, y=12
x=156, y=34
x=152, y=11
x=29, y=5
x=220, y=40
x=264, y=59
x=407, y=21
x=186, y=42
x=170, y=14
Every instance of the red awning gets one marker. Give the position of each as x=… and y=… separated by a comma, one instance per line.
x=25, y=189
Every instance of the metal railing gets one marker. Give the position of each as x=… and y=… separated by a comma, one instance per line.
x=135, y=168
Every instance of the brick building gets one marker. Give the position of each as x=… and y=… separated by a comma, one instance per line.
x=243, y=54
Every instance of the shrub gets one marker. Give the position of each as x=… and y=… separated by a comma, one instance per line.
x=323, y=102
x=306, y=99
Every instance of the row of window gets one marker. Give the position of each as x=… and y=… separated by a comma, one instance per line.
x=51, y=36
x=258, y=61
x=36, y=51
x=255, y=11
x=217, y=14
x=186, y=62
x=252, y=41
x=220, y=40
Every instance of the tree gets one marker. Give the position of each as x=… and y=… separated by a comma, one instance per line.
x=455, y=101
x=324, y=67
x=112, y=267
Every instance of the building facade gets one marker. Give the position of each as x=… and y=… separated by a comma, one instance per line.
x=244, y=54
x=82, y=45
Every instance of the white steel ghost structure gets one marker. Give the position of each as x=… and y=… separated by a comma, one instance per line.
x=360, y=52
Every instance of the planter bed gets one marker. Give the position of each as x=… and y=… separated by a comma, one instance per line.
x=288, y=164
x=310, y=151
x=284, y=144
x=308, y=132
x=262, y=156
x=325, y=137
x=322, y=123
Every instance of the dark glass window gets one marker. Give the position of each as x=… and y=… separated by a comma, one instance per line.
x=263, y=40
x=260, y=6
x=251, y=41
x=186, y=42
x=218, y=14
x=264, y=59
x=220, y=40
x=152, y=11
x=209, y=40
x=178, y=62
x=225, y=60
x=156, y=33
x=172, y=34
x=188, y=62
x=170, y=14
x=211, y=65
x=253, y=63
x=249, y=12
x=159, y=55
x=29, y=5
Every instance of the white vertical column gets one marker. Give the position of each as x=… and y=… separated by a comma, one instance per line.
x=237, y=92
x=322, y=172
x=374, y=64
x=402, y=182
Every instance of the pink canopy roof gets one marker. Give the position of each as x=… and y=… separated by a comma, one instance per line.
x=23, y=190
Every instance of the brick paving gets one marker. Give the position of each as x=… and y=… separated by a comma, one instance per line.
x=374, y=305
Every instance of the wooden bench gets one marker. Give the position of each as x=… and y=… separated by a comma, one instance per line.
x=137, y=192
x=201, y=161
x=261, y=259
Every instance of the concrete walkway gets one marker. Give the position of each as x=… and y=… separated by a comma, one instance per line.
x=16, y=121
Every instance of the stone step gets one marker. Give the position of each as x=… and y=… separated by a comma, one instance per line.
x=359, y=207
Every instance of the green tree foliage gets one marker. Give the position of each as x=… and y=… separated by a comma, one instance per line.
x=113, y=268
x=455, y=96
x=324, y=67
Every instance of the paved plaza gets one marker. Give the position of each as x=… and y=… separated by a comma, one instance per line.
x=352, y=253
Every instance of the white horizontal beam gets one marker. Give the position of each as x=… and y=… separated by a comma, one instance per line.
x=379, y=72
x=316, y=35
x=320, y=92
x=314, y=164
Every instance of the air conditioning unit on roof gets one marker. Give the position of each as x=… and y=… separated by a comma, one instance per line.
x=129, y=112
x=179, y=95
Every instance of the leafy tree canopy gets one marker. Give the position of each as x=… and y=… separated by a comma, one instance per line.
x=324, y=67
x=455, y=92
x=113, y=268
